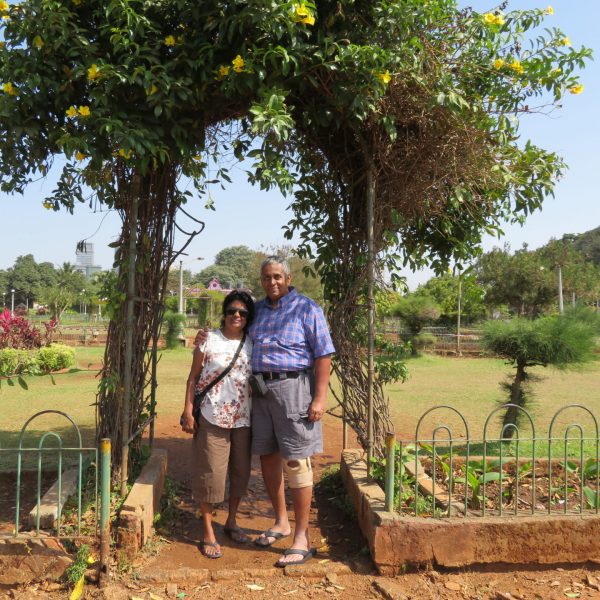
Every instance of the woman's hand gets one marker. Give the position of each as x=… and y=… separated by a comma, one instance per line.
x=188, y=423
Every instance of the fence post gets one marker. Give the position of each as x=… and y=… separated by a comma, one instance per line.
x=390, y=463
x=105, y=451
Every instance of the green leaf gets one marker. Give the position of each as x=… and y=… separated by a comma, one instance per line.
x=22, y=383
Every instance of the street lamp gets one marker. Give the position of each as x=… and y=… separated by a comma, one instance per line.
x=181, y=304
x=12, y=302
x=3, y=299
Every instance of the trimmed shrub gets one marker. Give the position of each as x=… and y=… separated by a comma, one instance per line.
x=8, y=361
x=55, y=357
x=174, y=325
x=33, y=362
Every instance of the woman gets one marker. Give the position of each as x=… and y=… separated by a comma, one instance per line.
x=222, y=435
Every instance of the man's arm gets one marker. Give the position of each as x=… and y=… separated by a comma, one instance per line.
x=201, y=337
x=322, y=368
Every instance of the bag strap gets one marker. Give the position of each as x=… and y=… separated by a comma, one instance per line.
x=227, y=368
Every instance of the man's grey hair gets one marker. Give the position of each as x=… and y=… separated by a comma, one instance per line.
x=276, y=260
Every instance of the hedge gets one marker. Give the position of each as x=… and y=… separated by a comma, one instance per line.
x=34, y=362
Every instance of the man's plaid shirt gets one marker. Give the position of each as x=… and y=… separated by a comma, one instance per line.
x=289, y=337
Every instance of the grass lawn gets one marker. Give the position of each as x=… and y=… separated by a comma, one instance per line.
x=75, y=395
x=471, y=385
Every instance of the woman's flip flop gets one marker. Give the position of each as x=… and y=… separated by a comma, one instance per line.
x=204, y=545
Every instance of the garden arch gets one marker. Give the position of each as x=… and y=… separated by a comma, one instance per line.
x=402, y=107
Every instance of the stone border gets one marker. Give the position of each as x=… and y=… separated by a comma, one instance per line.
x=31, y=557
x=136, y=517
x=396, y=541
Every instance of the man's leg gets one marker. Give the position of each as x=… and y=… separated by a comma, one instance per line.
x=272, y=473
x=301, y=472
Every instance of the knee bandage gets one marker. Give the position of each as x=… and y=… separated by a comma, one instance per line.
x=299, y=472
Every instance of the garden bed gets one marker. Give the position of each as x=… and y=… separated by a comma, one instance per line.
x=397, y=541
x=498, y=487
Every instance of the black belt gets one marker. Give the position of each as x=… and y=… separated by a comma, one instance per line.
x=282, y=375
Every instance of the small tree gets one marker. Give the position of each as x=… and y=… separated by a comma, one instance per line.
x=416, y=311
x=562, y=341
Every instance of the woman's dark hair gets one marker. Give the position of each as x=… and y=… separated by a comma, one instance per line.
x=242, y=297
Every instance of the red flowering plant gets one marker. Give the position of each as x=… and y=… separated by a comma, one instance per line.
x=50, y=329
x=17, y=332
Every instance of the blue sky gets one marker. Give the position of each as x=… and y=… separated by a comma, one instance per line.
x=245, y=215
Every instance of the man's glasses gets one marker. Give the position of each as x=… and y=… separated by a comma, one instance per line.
x=230, y=312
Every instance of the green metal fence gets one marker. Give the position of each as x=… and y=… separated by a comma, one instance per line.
x=444, y=472
x=50, y=458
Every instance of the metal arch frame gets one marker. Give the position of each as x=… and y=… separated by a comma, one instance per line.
x=451, y=440
x=581, y=440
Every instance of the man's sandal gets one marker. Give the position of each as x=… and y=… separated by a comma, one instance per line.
x=205, y=545
x=306, y=556
x=265, y=535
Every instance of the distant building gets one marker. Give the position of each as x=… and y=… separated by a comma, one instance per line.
x=84, y=260
x=215, y=284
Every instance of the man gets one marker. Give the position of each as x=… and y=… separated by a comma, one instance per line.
x=291, y=364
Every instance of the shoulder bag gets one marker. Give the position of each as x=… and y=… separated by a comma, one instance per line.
x=199, y=395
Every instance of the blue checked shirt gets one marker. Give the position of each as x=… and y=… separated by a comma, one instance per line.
x=289, y=337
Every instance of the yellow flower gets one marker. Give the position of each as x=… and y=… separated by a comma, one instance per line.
x=549, y=11
x=170, y=40
x=224, y=71
x=517, y=67
x=80, y=156
x=556, y=71
x=84, y=111
x=3, y=6
x=384, y=77
x=126, y=154
x=71, y=112
x=492, y=19
x=9, y=89
x=47, y=204
x=301, y=11
x=38, y=42
x=6, y=17
x=93, y=72
x=2, y=45
x=76, y=2
x=498, y=63
x=565, y=41
x=576, y=89
x=303, y=15
x=238, y=64
x=152, y=90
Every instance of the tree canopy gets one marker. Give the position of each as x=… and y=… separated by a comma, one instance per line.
x=416, y=104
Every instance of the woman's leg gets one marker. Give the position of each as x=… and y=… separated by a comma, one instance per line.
x=208, y=533
x=239, y=474
x=212, y=444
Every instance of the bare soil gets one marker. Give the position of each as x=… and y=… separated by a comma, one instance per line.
x=338, y=538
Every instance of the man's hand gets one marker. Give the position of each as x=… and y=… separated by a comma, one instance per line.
x=188, y=423
x=200, y=337
x=316, y=409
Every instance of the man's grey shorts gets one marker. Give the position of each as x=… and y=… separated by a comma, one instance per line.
x=280, y=420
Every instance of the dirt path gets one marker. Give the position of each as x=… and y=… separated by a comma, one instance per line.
x=342, y=569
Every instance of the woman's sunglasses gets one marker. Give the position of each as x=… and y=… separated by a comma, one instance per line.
x=233, y=311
